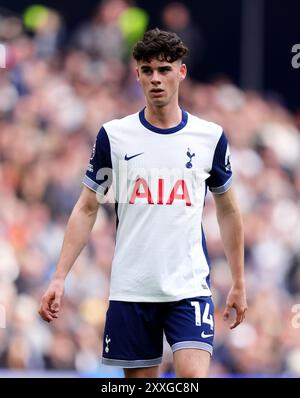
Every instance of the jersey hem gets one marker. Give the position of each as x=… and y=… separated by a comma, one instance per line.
x=159, y=299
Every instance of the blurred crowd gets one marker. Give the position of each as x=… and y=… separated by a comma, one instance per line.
x=55, y=93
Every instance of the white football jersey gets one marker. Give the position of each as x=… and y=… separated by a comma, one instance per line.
x=160, y=178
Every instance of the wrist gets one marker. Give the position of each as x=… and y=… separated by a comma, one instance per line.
x=239, y=282
x=59, y=277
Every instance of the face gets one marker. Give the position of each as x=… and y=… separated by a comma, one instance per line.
x=160, y=80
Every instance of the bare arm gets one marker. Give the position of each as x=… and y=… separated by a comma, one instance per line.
x=232, y=234
x=78, y=229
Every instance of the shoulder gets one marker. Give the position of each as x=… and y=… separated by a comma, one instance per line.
x=205, y=126
x=128, y=121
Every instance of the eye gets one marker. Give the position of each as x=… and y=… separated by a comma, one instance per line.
x=165, y=70
x=146, y=71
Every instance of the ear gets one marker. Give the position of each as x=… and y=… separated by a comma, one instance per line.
x=182, y=71
x=137, y=74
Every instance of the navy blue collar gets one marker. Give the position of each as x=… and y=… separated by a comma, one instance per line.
x=158, y=130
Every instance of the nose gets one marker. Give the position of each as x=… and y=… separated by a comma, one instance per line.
x=155, y=79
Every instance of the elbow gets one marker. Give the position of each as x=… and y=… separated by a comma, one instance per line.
x=87, y=208
x=232, y=215
x=87, y=203
x=89, y=211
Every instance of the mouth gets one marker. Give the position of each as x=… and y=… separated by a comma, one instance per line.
x=156, y=91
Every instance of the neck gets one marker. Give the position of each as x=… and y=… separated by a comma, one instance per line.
x=163, y=117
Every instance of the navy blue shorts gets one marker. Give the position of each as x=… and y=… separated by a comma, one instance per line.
x=133, y=334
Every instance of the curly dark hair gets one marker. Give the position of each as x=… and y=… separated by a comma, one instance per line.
x=159, y=44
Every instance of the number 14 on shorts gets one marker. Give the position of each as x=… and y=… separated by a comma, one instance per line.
x=206, y=316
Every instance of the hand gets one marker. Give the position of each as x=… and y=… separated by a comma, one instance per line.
x=236, y=299
x=51, y=301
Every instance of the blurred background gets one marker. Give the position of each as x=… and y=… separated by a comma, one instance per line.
x=67, y=71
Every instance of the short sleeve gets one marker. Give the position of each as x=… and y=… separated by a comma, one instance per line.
x=220, y=178
x=98, y=176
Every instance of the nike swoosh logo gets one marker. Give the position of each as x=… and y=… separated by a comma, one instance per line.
x=133, y=156
x=205, y=336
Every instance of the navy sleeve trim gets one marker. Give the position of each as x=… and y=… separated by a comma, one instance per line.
x=98, y=176
x=220, y=178
x=224, y=188
x=92, y=185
